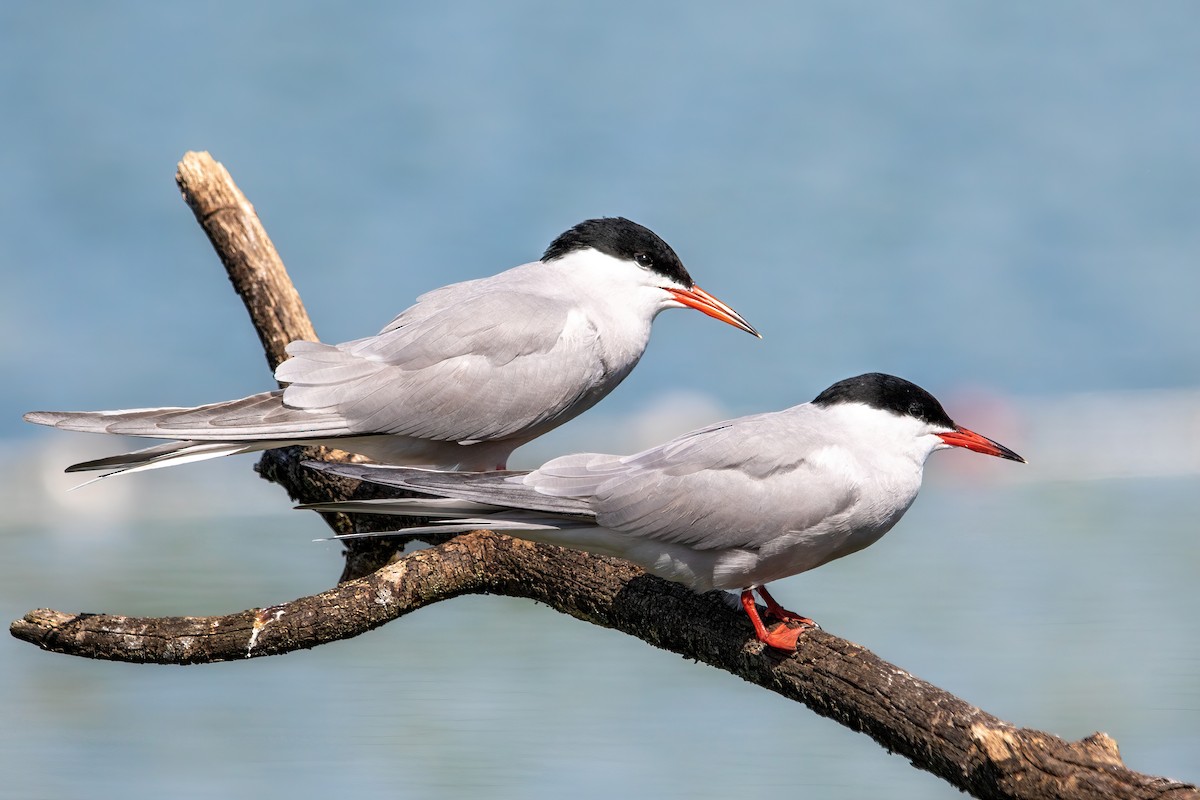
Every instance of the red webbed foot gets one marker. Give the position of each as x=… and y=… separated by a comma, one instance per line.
x=783, y=636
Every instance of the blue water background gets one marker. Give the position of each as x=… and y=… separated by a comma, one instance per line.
x=999, y=202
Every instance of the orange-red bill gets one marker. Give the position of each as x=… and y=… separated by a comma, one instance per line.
x=704, y=302
x=961, y=437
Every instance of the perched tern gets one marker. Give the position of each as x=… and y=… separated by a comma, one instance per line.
x=458, y=381
x=734, y=505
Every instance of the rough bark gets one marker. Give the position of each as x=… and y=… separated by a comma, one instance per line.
x=251, y=261
x=972, y=750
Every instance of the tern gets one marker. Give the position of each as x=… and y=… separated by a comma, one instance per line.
x=731, y=506
x=459, y=380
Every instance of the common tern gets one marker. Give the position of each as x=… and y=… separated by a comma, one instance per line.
x=459, y=380
x=732, y=506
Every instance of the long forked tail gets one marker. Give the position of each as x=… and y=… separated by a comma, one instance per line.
x=259, y=416
x=251, y=423
x=500, y=489
x=459, y=502
x=449, y=516
x=163, y=455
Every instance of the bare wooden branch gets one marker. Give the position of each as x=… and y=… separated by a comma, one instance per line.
x=250, y=259
x=972, y=750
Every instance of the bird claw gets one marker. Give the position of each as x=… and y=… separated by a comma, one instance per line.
x=785, y=616
x=776, y=611
x=786, y=635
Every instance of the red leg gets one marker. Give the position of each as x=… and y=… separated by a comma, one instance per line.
x=751, y=608
x=776, y=611
x=782, y=637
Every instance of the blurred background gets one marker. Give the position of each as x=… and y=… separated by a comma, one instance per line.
x=998, y=202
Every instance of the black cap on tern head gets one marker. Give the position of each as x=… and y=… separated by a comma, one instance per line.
x=622, y=238
x=887, y=393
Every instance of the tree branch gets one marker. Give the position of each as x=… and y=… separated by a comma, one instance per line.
x=972, y=750
x=251, y=261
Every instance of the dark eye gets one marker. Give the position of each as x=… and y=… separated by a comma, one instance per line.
x=915, y=410
x=644, y=261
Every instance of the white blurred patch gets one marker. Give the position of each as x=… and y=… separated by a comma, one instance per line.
x=34, y=490
x=1087, y=436
x=1116, y=435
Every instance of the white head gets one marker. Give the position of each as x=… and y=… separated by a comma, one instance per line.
x=913, y=415
x=643, y=261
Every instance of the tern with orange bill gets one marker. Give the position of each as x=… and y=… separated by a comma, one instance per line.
x=459, y=380
x=731, y=506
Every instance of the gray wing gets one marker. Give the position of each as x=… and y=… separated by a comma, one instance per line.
x=485, y=360
x=470, y=362
x=739, y=484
